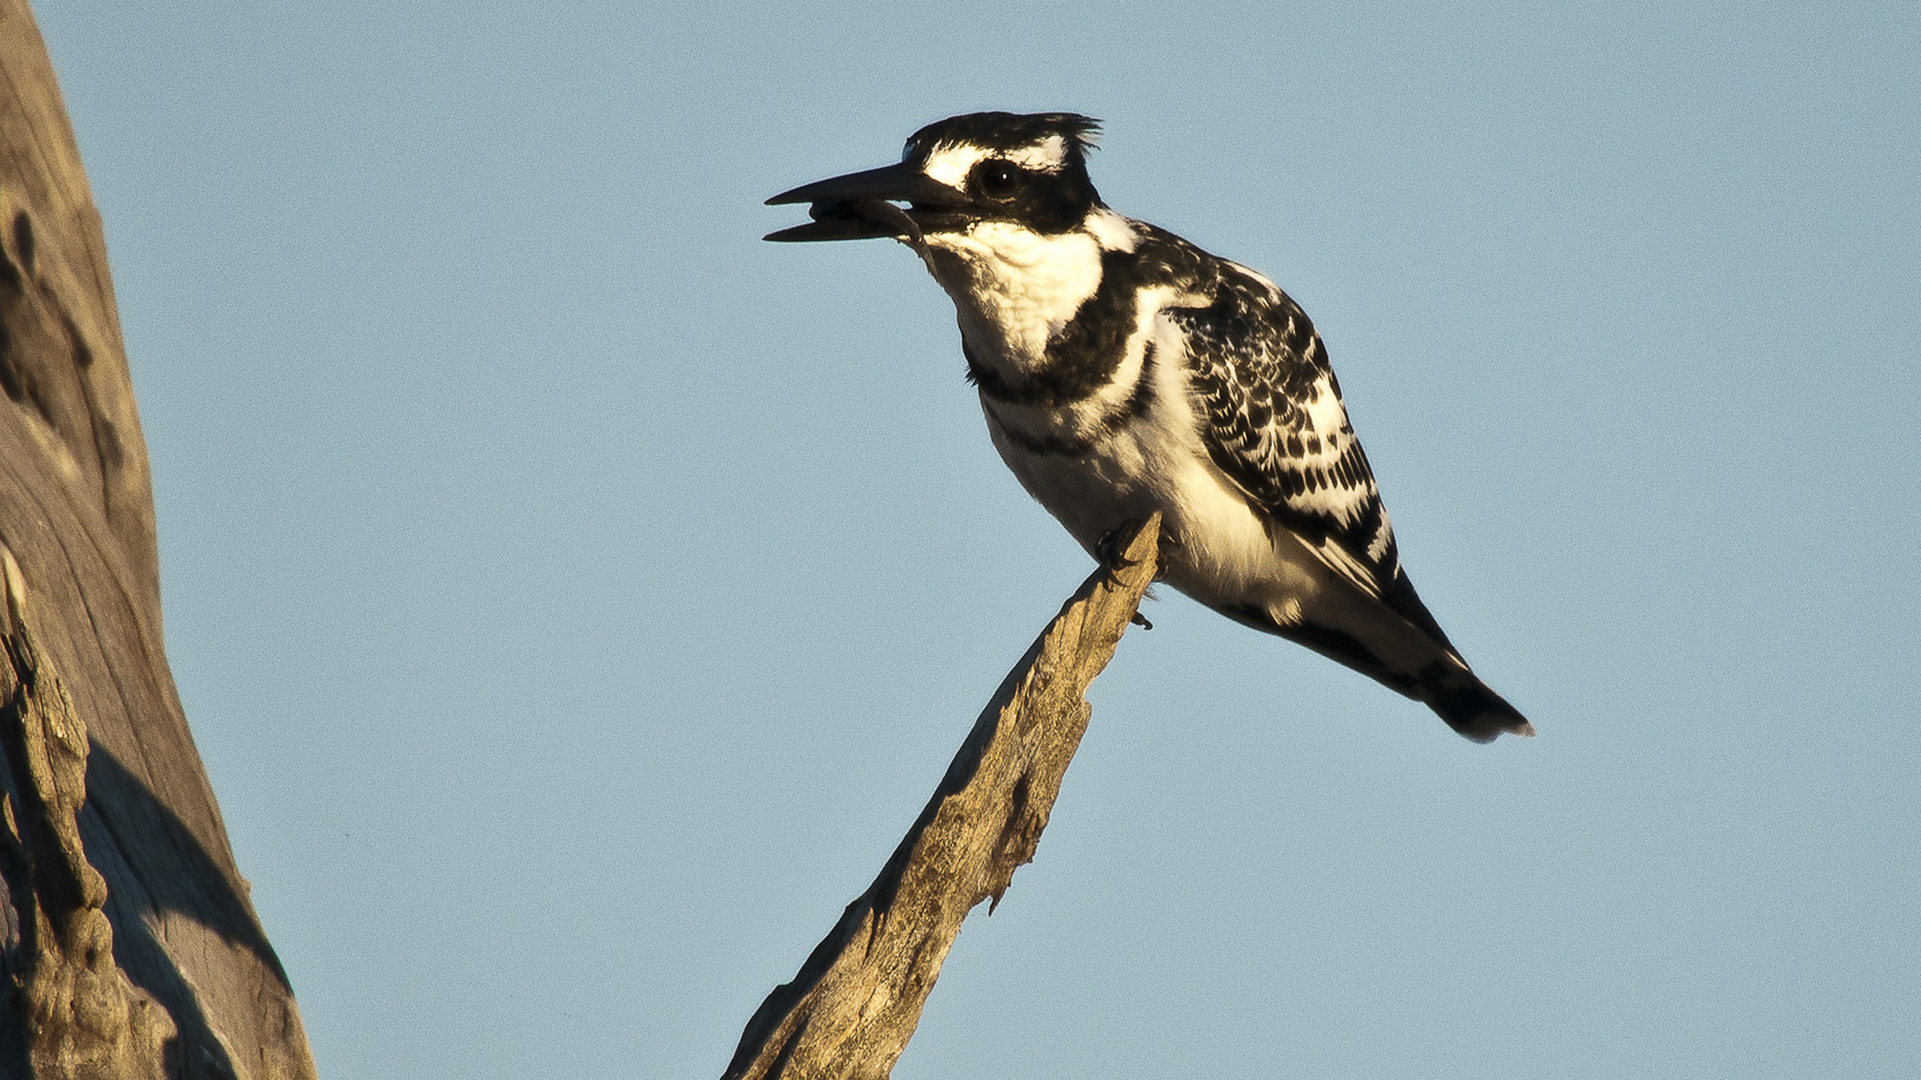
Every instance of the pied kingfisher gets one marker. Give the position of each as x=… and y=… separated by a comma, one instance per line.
x=1124, y=370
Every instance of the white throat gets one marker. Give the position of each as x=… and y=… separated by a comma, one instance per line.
x=1013, y=288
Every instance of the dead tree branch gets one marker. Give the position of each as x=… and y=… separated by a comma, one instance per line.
x=850, y=1011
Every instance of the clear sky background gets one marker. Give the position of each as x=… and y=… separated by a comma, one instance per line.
x=576, y=598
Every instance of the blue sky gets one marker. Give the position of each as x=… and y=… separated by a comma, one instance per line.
x=575, y=598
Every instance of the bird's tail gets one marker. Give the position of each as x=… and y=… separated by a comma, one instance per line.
x=1404, y=651
x=1467, y=704
x=1414, y=659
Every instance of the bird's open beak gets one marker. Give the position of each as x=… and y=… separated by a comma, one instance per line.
x=860, y=206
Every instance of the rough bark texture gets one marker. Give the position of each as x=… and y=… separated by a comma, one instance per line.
x=83, y=1017
x=857, y=999
x=129, y=947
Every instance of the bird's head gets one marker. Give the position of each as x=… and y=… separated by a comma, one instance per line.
x=1028, y=171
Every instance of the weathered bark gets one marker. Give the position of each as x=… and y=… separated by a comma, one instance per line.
x=83, y=1017
x=850, y=1011
x=129, y=947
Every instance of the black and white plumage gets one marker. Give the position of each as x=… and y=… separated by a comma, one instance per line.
x=1123, y=370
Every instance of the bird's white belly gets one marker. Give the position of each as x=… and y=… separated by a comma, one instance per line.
x=1223, y=554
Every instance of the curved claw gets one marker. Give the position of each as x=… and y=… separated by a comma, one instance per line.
x=1110, y=548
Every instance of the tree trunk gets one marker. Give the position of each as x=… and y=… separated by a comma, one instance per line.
x=129, y=946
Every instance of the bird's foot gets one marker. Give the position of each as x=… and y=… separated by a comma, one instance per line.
x=1110, y=549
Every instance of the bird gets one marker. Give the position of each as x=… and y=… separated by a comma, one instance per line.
x=1123, y=371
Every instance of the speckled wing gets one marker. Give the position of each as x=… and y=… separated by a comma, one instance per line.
x=1275, y=424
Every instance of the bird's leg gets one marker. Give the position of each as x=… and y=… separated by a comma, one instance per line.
x=1109, y=549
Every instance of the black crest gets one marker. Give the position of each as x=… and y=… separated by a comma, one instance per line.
x=1007, y=131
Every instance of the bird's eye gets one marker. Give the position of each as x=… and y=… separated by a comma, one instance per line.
x=997, y=179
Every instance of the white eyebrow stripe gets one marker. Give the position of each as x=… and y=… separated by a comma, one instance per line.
x=951, y=164
x=1048, y=156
